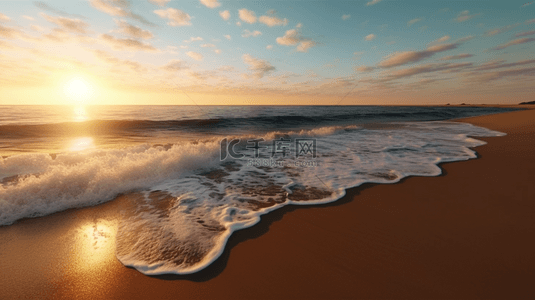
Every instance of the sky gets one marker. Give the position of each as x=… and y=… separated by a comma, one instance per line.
x=304, y=52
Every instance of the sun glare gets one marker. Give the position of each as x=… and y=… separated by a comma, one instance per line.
x=78, y=90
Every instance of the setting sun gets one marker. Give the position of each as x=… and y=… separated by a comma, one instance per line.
x=77, y=90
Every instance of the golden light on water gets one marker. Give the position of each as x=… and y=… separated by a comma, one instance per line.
x=81, y=144
x=80, y=114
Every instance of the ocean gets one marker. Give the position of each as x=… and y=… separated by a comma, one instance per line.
x=195, y=174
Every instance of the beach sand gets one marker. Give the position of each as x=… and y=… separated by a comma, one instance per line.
x=466, y=234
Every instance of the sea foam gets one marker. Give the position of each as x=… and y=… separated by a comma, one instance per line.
x=183, y=202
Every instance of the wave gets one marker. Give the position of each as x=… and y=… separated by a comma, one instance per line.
x=260, y=123
x=184, y=201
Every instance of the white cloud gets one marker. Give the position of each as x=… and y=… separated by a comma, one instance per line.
x=28, y=18
x=273, y=21
x=247, y=16
x=133, y=31
x=345, y=17
x=193, y=39
x=67, y=24
x=225, y=14
x=210, y=3
x=269, y=47
x=108, y=7
x=4, y=18
x=414, y=21
x=228, y=37
x=127, y=44
x=175, y=65
x=370, y=37
x=299, y=25
x=195, y=55
x=305, y=45
x=238, y=23
x=443, y=39
x=289, y=38
x=258, y=66
x=246, y=33
x=159, y=2
x=373, y=2
x=217, y=51
x=176, y=16
x=207, y=46
x=465, y=16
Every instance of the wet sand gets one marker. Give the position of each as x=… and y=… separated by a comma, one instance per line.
x=465, y=234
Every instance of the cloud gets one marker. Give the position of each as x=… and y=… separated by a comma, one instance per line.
x=364, y=69
x=117, y=8
x=370, y=37
x=195, y=55
x=238, y=23
x=246, y=33
x=514, y=42
x=526, y=4
x=299, y=25
x=289, y=38
x=107, y=7
x=4, y=18
x=9, y=32
x=207, y=46
x=133, y=31
x=225, y=14
x=443, y=39
x=193, y=39
x=228, y=37
x=458, y=56
x=127, y=44
x=269, y=47
x=118, y=63
x=175, y=65
x=414, y=21
x=401, y=58
x=67, y=24
x=273, y=21
x=37, y=28
x=465, y=16
x=176, y=17
x=345, y=17
x=373, y=2
x=487, y=77
x=258, y=66
x=427, y=68
x=530, y=21
x=159, y=2
x=217, y=51
x=500, y=30
x=525, y=33
x=210, y=3
x=305, y=45
x=226, y=68
x=247, y=16
x=44, y=6
x=498, y=64
x=26, y=17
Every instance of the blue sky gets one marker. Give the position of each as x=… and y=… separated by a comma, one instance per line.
x=268, y=52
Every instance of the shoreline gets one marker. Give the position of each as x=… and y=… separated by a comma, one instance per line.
x=362, y=245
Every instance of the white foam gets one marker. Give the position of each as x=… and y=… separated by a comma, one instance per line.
x=189, y=203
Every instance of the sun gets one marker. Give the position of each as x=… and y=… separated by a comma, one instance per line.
x=78, y=90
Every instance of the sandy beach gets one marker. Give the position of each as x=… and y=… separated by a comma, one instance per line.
x=465, y=234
